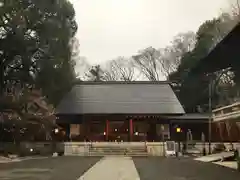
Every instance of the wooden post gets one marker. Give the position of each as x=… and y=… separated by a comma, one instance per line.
x=130, y=129
x=210, y=115
x=228, y=129
x=221, y=131
x=107, y=130
x=68, y=132
x=238, y=159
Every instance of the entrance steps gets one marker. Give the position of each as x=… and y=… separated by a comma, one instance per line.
x=113, y=149
x=118, y=150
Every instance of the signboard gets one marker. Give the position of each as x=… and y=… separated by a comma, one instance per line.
x=170, y=148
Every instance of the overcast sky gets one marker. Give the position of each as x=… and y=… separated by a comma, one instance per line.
x=111, y=28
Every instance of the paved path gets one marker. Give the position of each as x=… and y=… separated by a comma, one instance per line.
x=112, y=168
x=115, y=168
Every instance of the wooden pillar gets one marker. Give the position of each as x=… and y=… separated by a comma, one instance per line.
x=238, y=131
x=68, y=132
x=220, y=131
x=83, y=129
x=107, y=130
x=130, y=129
x=88, y=128
x=229, y=130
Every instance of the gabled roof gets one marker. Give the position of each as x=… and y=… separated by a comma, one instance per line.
x=120, y=98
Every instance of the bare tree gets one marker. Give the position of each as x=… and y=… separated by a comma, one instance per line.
x=158, y=64
x=235, y=9
x=171, y=55
x=225, y=88
x=95, y=73
x=147, y=61
x=120, y=69
x=82, y=66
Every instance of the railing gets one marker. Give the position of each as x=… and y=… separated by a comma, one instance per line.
x=227, y=112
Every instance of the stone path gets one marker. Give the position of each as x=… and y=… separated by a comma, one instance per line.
x=114, y=168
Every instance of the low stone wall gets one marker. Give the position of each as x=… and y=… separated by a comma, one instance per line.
x=82, y=148
x=228, y=145
x=76, y=148
x=116, y=144
x=32, y=148
x=152, y=148
x=155, y=148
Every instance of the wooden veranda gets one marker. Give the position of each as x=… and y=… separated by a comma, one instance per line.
x=226, y=123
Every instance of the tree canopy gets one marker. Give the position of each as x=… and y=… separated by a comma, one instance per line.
x=209, y=34
x=36, y=40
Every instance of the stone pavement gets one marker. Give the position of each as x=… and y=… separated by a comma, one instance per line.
x=112, y=168
x=215, y=157
x=115, y=168
x=229, y=164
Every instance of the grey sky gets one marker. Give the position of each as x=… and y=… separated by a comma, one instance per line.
x=111, y=28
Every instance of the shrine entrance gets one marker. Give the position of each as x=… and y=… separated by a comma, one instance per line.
x=118, y=131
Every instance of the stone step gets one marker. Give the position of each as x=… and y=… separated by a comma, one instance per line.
x=118, y=148
x=116, y=154
x=119, y=152
x=133, y=150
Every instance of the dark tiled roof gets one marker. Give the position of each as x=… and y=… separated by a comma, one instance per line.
x=224, y=55
x=120, y=98
x=190, y=116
